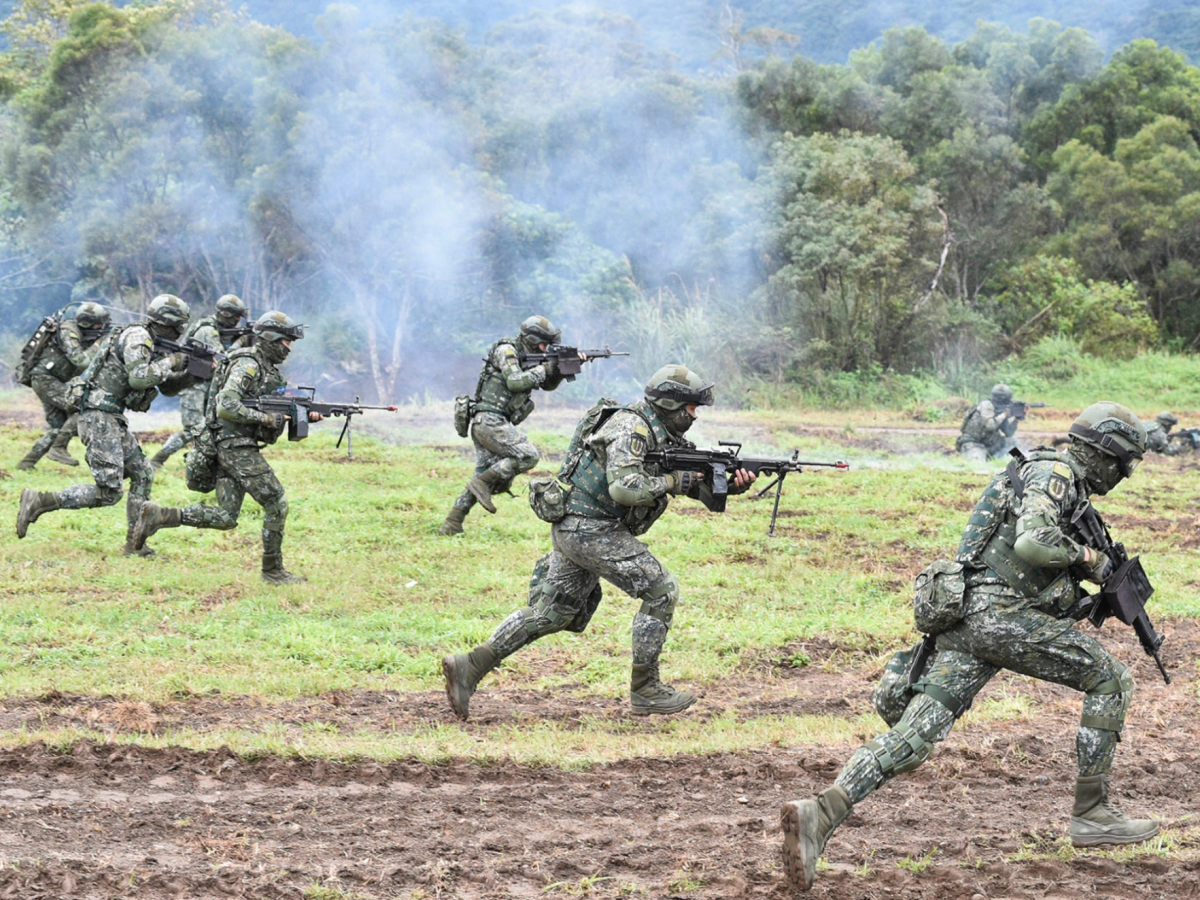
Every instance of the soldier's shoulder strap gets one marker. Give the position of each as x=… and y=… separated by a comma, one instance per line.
x=1039, y=454
x=489, y=364
x=197, y=325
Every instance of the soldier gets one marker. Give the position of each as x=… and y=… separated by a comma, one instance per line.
x=1159, y=437
x=615, y=496
x=1022, y=574
x=220, y=332
x=232, y=437
x=121, y=376
x=64, y=357
x=503, y=401
x=988, y=429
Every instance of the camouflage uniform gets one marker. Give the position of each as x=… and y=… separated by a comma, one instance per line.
x=1022, y=574
x=987, y=432
x=1159, y=437
x=123, y=375
x=65, y=357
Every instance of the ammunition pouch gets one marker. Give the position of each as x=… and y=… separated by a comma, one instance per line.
x=139, y=401
x=940, y=591
x=464, y=411
x=549, y=498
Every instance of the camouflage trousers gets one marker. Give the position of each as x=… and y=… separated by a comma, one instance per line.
x=981, y=453
x=191, y=411
x=500, y=447
x=565, y=590
x=241, y=471
x=1028, y=642
x=113, y=454
x=53, y=394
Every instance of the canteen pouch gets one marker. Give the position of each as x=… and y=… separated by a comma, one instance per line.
x=464, y=411
x=940, y=590
x=139, y=401
x=893, y=692
x=548, y=498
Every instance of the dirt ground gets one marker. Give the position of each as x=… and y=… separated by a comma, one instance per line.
x=109, y=820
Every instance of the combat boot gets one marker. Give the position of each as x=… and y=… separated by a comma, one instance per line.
x=807, y=826
x=132, y=549
x=463, y=672
x=153, y=517
x=273, y=571
x=648, y=695
x=33, y=504
x=481, y=489
x=58, y=450
x=1095, y=821
x=29, y=460
x=454, y=521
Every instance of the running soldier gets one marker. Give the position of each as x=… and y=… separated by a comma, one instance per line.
x=219, y=332
x=65, y=356
x=230, y=444
x=122, y=375
x=615, y=496
x=502, y=402
x=988, y=429
x=1019, y=575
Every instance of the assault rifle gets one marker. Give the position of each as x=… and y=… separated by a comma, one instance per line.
x=201, y=358
x=717, y=465
x=1191, y=434
x=1126, y=588
x=229, y=335
x=566, y=359
x=1020, y=408
x=297, y=407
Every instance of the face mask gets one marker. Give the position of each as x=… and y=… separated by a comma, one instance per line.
x=275, y=351
x=677, y=421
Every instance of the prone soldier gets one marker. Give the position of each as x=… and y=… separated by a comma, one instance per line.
x=122, y=375
x=1015, y=592
x=65, y=356
x=1159, y=437
x=614, y=495
x=220, y=332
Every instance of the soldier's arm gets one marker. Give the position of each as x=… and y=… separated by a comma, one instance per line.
x=517, y=380
x=1040, y=538
x=136, y=349
x=628, y=438
x=993, y=420
x=71, y=342
x=239, y=382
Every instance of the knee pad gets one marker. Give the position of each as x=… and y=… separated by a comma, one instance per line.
x=552, y=611
x=108, y=496
x=1105, y=705
x=900, y=750
x=275, y=514
x=659, y=601
x=140, y=480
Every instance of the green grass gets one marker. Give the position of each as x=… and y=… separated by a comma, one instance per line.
x=387, y=596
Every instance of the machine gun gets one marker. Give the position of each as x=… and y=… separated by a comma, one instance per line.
x=296, y=408
x=716, y=465
x=201, y=358
x=568, y=360
x=1019, y=409
x=1126, y=588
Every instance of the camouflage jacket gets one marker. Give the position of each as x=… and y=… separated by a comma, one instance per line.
x=504, y=388
x=987, y=425
x=67, y=354
x=1016, y=548
x=123, y=373
x=245, y=374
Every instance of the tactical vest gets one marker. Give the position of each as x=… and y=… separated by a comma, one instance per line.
x=53, y=360
x=267, y=380
x=106, y=383
x=492, y=393
x=972, y=429
x=590, y=497
x=992, y=531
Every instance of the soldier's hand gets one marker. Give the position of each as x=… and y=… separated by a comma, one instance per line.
x=276, y=420
x=1096, y=565
x=741, y=481
x=178, y=360
x=315, y=416
x=550, y=366
x=682, y=482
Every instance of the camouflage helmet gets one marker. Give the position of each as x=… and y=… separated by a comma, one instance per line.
x=1002, y=394
x=230, y=306
x=91, y=315
x=1113, y=429
x=539, y=330
x=1167, y=420
x=673, y=387
x=168, y=310
x=277, y=326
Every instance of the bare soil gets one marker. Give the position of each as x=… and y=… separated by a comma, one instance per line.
x=110, y=820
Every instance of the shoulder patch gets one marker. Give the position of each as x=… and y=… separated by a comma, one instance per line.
x=1060, y=480
x=641, y=429
x=1063, y=470
x=251, y=368
x=637, y=444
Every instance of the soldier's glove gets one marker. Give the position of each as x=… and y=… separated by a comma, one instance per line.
x=550, y=367
x=178, y=360
x=682, y=482
x=275, y=420
x=1099, y=568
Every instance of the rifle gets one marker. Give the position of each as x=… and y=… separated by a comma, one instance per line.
x=297, y=407
x=1126, y=588
x=717, y=464
x=229, y=335
x=1192, y=434
x=566, y=358
x=201, y=358
x=1020, y=408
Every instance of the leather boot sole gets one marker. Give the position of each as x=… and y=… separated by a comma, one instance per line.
x=799, y=820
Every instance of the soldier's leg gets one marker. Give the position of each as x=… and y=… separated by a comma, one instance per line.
x=54, y=421
x=58, y=450
x=141, y=478
x=1036, y=644
x=976, y=453
x=223, y=516
x=512, y=453
x=458, y=512
x=950, y=683
x=255, y=475
x=191, y=412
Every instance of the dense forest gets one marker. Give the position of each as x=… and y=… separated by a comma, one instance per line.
x=413, y=185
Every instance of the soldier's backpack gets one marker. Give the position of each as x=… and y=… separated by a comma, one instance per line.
x=548, y=496
x=464, y=412
x=31, y=353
